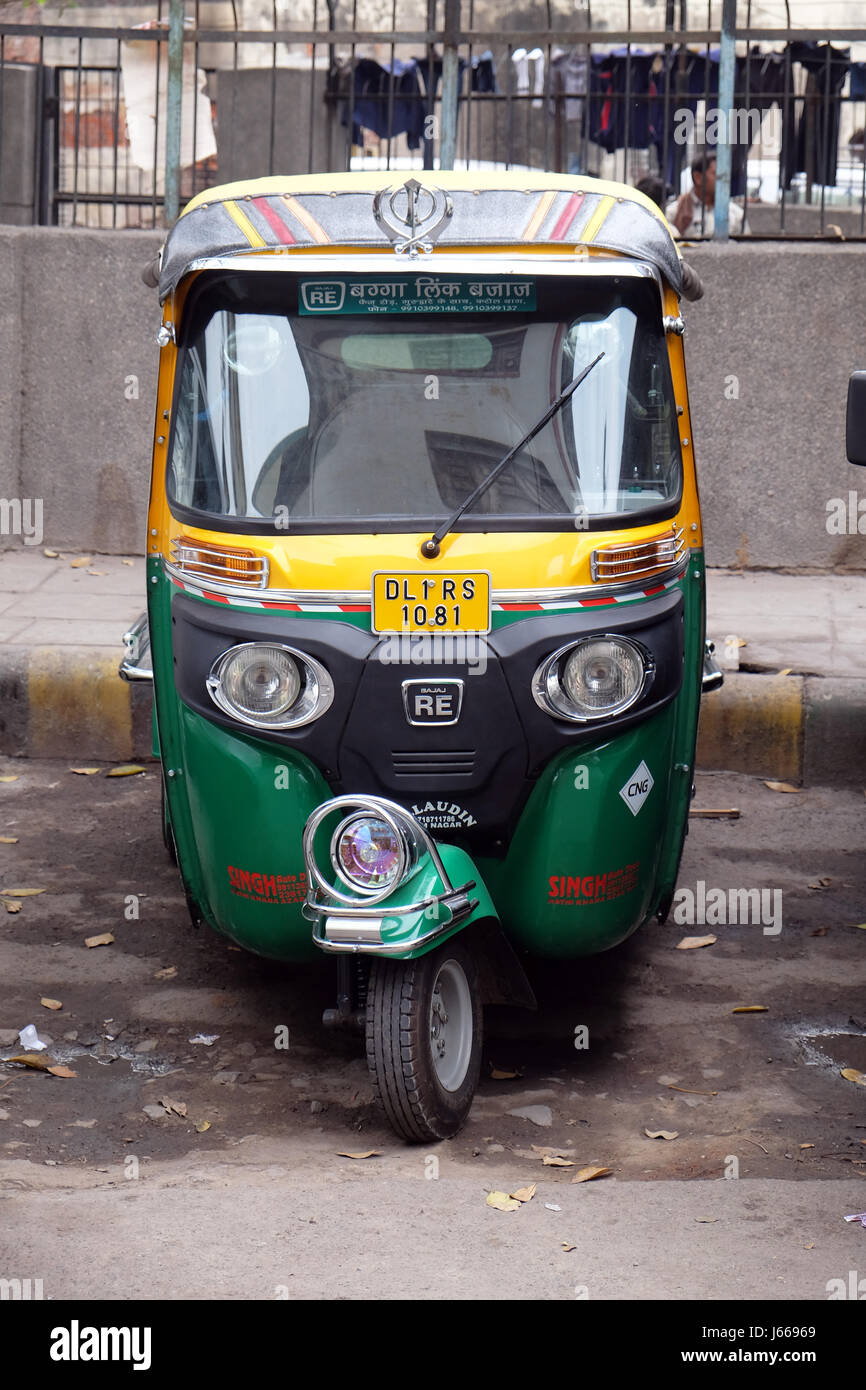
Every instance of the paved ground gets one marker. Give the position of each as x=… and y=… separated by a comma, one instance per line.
x=260, y=1200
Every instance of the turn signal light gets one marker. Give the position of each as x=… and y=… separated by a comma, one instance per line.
x=219, y=564
x=615, y=563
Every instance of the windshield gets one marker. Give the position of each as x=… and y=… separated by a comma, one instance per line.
x=386, y=415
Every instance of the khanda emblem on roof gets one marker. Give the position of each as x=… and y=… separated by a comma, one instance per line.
x=412, y=215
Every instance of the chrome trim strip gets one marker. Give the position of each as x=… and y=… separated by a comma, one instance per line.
x=360, y=598
x=379, y=257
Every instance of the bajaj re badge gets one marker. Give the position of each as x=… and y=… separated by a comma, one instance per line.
x=432, y=702
x=412, y=215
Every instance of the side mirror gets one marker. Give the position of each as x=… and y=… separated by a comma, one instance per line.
x=855, y=420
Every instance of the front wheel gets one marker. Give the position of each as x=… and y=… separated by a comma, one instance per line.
x=424, y=1041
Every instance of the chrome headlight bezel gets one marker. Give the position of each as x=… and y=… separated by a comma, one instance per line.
x=315, y=696
x=410, y=837
x=549, y=694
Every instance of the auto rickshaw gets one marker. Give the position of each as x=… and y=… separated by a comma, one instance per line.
x=425, y=585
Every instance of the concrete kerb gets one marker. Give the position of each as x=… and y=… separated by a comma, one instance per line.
x=71, y=703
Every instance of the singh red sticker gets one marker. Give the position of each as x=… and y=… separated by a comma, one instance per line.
x=593, y=888
x=268, y=888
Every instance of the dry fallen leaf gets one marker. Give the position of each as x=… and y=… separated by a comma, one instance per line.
x=587, y=1174
x=820, y=931
x=367, y=1153
x=125, y=770
x=783, y=787
x=497, y=1075
x=62, y=1071
x=85, y=771
x=104, y=939
x=807, y=1146
x=524, y=1194
x=51, y=1003
x=552, y=1161
x=706, y=1220
x=750, y=1009
x=852, y=1074
x=202, y=1126
x=8, y=839
x=9, y=905
x=501, y=1201
x=686, y=1092
x=167, y=973
x=20, y=892
x=172, y=1107
x=691, y=943
x=99, y=573
x=127, y=562
x=34, y=1060
x=566, y=1246
x=662, y=1133
x=13, y=777
x=810, y=1246
x=80, y=561
x=861, y=926
x=51, y=554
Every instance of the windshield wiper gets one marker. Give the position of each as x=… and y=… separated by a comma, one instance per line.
x=430, y=549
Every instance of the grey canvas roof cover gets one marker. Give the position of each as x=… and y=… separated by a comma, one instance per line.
x=337, y=210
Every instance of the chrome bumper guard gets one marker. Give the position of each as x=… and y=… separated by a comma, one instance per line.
x=342, y=927
x=714, y=676
x=136, y=664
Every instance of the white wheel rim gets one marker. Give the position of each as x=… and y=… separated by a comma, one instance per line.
x=451, y=1025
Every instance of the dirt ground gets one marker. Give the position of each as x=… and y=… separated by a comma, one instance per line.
x=754, y=1095
x=658, y=1018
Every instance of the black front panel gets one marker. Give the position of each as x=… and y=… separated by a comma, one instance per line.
x=459, y=745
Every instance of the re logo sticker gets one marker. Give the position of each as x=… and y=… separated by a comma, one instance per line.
x=637, y=788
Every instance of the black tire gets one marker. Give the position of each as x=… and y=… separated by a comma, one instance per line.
x=400, y=1042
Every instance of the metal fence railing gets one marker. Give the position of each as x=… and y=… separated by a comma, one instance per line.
x=114, y=127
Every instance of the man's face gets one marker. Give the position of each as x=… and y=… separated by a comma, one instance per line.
x=705, y=183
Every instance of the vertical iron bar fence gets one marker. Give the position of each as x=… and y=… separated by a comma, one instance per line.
x=131, y=122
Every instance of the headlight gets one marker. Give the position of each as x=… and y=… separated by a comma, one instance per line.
x=367, y=853
x=593, y=679
x=270, y=686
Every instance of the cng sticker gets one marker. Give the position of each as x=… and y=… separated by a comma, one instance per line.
x=637, y=788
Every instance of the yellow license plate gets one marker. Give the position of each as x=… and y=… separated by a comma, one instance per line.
x=430, y=602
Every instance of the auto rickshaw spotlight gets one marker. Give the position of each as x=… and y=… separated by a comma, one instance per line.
x=596, y=678
x=270, y=686
x=368, y=853
x=373, y=849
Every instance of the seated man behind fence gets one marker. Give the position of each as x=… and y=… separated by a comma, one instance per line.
x=693, y=213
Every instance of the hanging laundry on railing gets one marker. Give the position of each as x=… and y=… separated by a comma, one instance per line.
x=812, y=148
x=522, y=60
x=483, y=77
x=385, y=98
x=569, y=77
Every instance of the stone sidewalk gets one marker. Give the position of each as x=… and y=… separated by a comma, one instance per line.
x=793, y=705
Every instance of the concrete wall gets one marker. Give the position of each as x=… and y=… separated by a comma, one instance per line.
x=770, y=348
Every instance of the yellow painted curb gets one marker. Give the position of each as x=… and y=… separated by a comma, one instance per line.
x=77, y=705
x=754, y=724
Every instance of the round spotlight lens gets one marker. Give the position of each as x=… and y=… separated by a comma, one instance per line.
x=603, y=676
x=261, y=681
x=369, y=854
